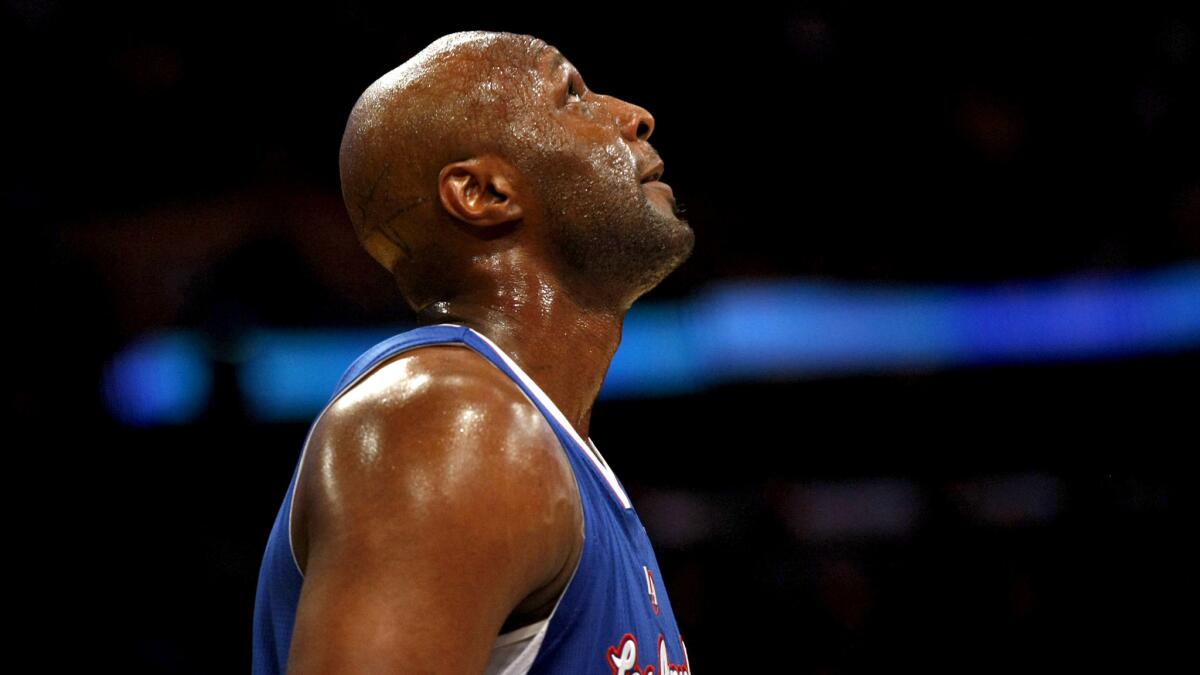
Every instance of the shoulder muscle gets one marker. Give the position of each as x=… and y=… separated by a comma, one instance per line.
x=437, y=498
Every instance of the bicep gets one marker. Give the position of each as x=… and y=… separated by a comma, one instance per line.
x=420, y=545
x=365, y=611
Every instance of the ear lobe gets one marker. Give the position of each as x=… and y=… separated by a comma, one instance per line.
x=476, y=193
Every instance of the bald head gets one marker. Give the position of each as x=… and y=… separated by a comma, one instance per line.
x=457, y=98
x=484, y=161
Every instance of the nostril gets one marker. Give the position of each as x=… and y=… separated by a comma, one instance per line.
x=643, y=130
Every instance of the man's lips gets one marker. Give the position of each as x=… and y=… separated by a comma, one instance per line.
x=659, y=185
x=654, y=173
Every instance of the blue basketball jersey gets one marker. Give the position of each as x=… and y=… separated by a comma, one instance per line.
x=613, y=618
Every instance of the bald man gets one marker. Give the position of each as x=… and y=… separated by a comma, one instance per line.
x=449, y=512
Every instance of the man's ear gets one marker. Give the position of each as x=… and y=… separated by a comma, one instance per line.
x=480, y=191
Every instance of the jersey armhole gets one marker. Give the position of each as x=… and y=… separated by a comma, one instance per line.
x=525, y=660
x=536, y=632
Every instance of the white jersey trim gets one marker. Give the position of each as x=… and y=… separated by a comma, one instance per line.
x=602, y=467
x=522, y=633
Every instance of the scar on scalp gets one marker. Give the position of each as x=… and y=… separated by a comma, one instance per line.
x=391, y=234
x=382, y=226
x=370, y=196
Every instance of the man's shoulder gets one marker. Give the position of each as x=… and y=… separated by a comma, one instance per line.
x=438, y=423
x=451, y=378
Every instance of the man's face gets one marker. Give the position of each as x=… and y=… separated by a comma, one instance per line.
x=591, y=161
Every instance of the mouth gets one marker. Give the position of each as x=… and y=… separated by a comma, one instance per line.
x=654, y=174
x=659, y=186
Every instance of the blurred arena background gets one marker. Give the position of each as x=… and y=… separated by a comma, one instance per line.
x=920, y=400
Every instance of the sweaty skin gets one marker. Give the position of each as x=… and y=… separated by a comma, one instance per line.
x=435, y=508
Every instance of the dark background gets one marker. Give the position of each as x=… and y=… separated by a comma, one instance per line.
x=175, y=165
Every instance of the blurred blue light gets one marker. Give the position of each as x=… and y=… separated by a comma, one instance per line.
x=290, y=375
x=656, y=356
x=164, y=378
x=743, y=330
x=757, y=330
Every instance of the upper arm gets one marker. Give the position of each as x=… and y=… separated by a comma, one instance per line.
x=435, y=503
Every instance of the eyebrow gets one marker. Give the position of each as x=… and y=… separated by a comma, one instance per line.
x=557, y=61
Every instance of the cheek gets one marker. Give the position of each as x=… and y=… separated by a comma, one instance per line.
x=534, y=138
x=615, y=161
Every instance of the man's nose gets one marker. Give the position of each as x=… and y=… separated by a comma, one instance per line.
x=636, y=122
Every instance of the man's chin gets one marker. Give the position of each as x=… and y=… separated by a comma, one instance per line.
x=682, y=244
x=691, y=241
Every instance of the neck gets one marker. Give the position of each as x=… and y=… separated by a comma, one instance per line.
x=562, y=346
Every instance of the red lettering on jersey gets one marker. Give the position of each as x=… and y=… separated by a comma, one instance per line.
x=651, y=590
x=665, y=667
x=623, y=659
